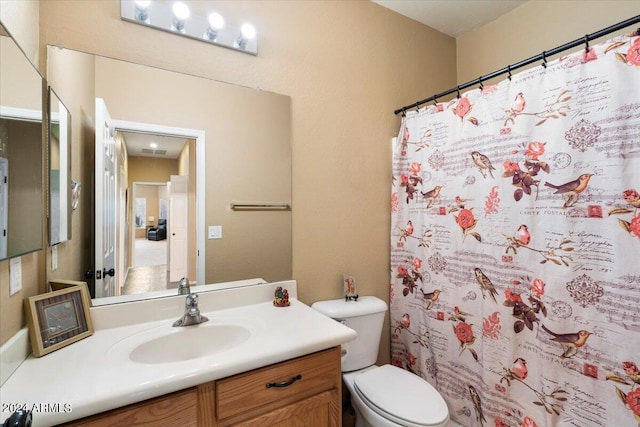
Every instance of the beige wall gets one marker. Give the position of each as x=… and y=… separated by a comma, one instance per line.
x=21, y=18
x=536, y=26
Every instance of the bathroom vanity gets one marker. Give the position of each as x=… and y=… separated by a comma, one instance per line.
x=244, y=399
x=251, y=364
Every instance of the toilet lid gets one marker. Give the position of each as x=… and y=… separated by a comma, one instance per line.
x=402, y=396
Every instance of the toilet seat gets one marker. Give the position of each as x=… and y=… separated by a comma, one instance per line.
x=401, y=397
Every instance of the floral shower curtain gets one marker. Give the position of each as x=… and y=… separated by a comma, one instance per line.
x=515, y=282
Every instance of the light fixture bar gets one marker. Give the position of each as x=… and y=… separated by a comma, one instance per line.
x=161, y=17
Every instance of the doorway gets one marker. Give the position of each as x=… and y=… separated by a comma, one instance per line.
x=148, y=270
x=138, y=138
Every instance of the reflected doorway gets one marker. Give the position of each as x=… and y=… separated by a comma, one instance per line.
x=151, y=161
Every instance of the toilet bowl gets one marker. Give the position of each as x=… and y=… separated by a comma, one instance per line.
x=388, y=396
x=382, y=396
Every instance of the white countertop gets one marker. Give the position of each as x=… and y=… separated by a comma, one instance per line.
x=95, y=374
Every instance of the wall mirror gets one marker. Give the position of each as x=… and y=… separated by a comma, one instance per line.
x=59, y=133
x=21, y=197
x=228, y=144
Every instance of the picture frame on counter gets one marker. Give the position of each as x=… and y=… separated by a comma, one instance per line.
x=58, y=318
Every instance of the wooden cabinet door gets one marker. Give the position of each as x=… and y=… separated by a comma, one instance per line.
x=175, y=409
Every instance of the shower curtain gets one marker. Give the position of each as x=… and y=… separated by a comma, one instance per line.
x=515, y=244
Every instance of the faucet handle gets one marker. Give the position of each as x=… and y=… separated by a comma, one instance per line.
x=191, y=301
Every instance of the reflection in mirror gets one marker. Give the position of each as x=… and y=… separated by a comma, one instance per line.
x=59, y=121
x=20, y=151
x=246, y=158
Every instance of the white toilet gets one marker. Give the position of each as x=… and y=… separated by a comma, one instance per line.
x=383, y=396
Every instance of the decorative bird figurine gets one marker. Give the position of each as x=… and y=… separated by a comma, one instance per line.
x=431, y=297
x=477, y=405
x=485, y=285
x=522, y=236
x=572, y=341
x=483, y=163
x=519, y=369
x=432, y=195
x=571, y=189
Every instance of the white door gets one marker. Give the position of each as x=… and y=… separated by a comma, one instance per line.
x=105, y=203
x=4, y=206
x=177, y=227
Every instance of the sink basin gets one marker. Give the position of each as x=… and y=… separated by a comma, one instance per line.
x=190, y=342
x=166, y=344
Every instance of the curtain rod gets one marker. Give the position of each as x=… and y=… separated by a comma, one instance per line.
x=540, y=57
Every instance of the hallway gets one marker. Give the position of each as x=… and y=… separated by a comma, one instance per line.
x=149, y=271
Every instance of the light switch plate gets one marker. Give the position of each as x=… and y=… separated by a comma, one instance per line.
x=15, y=271
x=215, y=232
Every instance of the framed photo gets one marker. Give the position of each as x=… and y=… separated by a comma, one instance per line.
x=59, y=318
x=57, y=284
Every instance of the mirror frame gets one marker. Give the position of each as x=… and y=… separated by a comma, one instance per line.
x=62, y=200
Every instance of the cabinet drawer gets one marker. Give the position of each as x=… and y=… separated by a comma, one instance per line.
x=243, y=393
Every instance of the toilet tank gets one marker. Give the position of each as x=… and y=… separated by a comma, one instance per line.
x=365, y=316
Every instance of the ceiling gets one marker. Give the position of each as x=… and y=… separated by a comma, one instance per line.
x=452, y=17
x=168, y=147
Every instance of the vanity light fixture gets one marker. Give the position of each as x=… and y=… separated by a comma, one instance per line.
x=176, y=18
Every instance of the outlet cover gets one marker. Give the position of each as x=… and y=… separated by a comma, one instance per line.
x=215, y=232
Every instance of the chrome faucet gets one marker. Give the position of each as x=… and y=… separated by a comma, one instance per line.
x=183, y=288
x=191, y=314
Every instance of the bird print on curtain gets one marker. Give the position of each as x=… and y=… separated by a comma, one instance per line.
x=515, y=259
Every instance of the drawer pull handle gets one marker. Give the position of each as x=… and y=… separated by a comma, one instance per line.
x=285, y=383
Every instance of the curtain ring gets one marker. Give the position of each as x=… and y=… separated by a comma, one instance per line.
x=509, y=71
x=458, y=89
x=586, y=43
x=435, y=100
x=481, y=84
x=544, y=59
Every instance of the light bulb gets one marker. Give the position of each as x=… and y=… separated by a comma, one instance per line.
x=141, y=12
x=180, y=14
x=248, y=31
x=216, y=23
x=180, y=11
x=142, y=4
